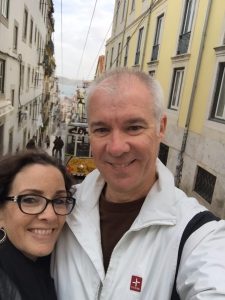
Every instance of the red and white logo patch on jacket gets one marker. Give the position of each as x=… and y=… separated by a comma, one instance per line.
x=135, y=283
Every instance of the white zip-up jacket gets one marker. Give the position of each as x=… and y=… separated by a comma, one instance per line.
x=143, y=263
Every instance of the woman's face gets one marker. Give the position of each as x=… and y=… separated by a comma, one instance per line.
x=34, y=235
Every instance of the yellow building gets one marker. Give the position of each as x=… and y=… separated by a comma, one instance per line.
x=182, y=44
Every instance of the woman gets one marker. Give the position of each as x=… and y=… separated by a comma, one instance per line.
x=35, y=197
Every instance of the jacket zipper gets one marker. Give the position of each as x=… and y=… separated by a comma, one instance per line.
x=99, y=291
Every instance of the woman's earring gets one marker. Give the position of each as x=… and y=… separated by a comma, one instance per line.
x=2, y=236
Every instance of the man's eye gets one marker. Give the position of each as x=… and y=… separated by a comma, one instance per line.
x=135, y=128
x=100, y=131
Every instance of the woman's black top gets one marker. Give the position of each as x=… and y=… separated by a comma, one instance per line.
x=24, y=279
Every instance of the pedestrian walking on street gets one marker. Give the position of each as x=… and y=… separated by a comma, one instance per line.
x=58, y=146
x=47, y=141
x=54, y=147
x=40, y=142
x=31, y=144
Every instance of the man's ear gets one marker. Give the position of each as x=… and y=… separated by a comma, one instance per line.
x=163, y=123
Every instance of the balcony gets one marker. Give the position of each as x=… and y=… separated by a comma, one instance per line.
x=155, y=51
x=183, y=43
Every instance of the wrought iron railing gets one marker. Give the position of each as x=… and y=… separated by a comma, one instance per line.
x=183, y=43
x=155, y=51
x=204, y=184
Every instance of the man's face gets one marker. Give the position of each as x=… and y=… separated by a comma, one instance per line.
x=125, y=138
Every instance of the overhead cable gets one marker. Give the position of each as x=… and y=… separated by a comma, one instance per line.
x=61, y=43
x=97, y=56
x=78, y=71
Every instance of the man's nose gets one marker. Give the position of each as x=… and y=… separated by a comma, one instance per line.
x=118, y=143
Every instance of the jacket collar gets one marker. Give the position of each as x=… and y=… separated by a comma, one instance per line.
x=158, y=208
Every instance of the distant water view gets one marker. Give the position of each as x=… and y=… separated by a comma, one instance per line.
x=67, y=90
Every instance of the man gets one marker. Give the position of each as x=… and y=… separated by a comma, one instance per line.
x=55, y=145
x=58, y=147
x=122, y=240
x=31, y=144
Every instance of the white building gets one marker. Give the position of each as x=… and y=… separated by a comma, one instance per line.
x=26, y=64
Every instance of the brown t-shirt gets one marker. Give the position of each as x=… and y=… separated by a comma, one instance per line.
x=115, y=220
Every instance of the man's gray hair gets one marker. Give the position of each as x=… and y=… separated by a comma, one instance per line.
x=116, y=75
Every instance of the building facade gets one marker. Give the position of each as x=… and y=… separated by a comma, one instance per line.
x=26, y=71
x=100, y=68
x=182, y=44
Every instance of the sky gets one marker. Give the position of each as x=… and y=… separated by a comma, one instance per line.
x=74, y=60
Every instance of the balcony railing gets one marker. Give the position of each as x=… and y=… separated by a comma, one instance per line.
x=137, y=58
x=155, y=51
x=183, y=43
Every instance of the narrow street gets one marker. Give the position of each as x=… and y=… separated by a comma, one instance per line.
x=60, y=131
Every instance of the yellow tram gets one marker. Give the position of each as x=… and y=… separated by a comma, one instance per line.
x=78, y=158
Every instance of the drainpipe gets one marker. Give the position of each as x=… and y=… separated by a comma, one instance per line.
x=179, y=167
x=19, y=88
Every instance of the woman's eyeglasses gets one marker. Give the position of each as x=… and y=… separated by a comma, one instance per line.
x=36, y=204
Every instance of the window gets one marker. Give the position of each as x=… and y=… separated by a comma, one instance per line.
x=218, y=108
x=5, y=8
x=118, y=55
x=2, y=139
x=176, y=88
x=32, y=76
x=138, y=51
x=22, y=78
x=132, y=5
x=116, y=15
x=106, y=59
x=28, y=78
x=157, y=39
x=25, y=20
x=186, y=26
x=223, y=40
x=36, y=79
x=42, y=7
x=163, y=153
x=35, y=35
x=204, y=184
x=126, y=51
x=188, y=16
x=15, y=38
x=31, y=31
x=38, y=38
x=45, y=12
x=111, y=59
x=2, y=75
x=152, y=73
x=124, y=8
x=10, y=145
x=12, y=96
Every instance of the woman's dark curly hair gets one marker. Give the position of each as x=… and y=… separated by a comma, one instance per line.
x=10, y=165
